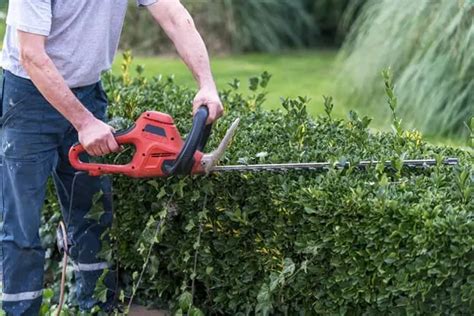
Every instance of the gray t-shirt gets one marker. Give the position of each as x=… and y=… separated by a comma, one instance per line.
x=82, y=35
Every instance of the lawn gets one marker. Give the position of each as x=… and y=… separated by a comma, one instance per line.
x=308, y=73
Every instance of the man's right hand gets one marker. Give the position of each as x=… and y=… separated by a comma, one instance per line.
x=97, y=138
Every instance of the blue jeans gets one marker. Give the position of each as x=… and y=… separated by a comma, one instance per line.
x=34, y=143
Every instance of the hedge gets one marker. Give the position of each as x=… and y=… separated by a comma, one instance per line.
x=341, y=241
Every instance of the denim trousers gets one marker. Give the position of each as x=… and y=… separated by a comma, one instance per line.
x=34, y=143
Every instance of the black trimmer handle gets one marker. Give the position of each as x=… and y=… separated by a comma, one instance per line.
x=196, y=140
x=205, y=137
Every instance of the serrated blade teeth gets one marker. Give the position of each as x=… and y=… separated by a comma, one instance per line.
x=284, y=167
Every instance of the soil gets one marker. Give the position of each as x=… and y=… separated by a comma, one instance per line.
x=143, y=311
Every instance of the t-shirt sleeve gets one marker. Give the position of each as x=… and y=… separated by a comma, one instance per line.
x=32, y=16
x=144, y=3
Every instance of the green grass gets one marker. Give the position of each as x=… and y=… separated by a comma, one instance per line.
x=308, y=74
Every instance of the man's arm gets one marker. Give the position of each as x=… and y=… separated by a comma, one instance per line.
x=94, y=135
x=179, y=26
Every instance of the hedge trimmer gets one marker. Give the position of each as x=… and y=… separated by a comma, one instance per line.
x=161, y=152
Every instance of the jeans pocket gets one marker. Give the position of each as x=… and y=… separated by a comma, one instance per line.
x=101, y=103
x=11, y=110
x=14, y=97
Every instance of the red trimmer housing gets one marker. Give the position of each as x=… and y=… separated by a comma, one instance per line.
x=160, y=150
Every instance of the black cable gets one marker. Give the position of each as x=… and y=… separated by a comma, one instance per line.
x=62, y=237
x=71, y=199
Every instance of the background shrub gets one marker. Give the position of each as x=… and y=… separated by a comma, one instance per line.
x=384, y=240
x=3, y=15
x=428, y=44
x=241, y=26
x=333, y=18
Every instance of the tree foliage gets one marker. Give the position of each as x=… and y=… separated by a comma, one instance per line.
x=236, y=25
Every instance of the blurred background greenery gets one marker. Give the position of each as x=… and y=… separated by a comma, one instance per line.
x=3, y=12
x=333, y=47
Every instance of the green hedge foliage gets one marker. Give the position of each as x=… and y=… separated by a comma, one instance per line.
x=350, y=242
x=377, y=241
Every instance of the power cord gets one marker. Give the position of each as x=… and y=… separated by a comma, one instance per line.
x=63, y=242
x=62, y=229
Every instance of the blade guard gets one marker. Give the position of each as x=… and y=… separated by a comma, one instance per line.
x=159, y=148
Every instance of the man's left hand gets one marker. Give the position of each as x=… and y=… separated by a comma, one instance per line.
x=210, y=98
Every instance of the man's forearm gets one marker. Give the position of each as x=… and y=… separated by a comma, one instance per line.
x=52, y=86
x=95, y=135
x=180, y=28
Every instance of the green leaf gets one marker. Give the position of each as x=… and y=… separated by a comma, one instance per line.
x=253, y=83
x=275, y=280
x=97, y=210
x=393, y=257
x=100, y=290
x=161, y=194
x=265, y=79
x=190, y=226
x=288, y=267
x=194, y=311
x=328, y=105
x=135, y=275
x=185, y=301
x=48, y=293
x=209, y=270
x=309, y=210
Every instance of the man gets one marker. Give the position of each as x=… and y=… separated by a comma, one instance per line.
x=54, y=52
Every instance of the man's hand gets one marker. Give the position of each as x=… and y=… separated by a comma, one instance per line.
x=97, y=138
x=210, y=98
